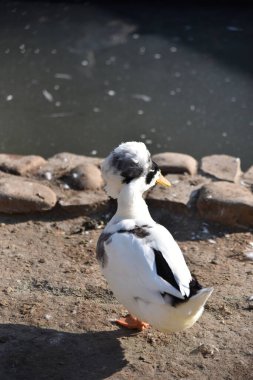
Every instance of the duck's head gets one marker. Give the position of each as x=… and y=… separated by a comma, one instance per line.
x=130, y=163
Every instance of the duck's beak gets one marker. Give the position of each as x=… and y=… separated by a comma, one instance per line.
x=163, y=181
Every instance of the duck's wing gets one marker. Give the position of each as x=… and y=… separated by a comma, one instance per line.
x=169, y=260
x=148, y=256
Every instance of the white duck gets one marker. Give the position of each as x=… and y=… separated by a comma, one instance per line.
x=141, y=261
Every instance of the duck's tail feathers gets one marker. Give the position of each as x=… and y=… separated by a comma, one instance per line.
x=197, y=302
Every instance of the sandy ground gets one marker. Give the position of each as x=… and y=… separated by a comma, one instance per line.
x=56, y=312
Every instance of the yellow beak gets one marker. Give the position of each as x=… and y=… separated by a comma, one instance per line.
x=163, y=181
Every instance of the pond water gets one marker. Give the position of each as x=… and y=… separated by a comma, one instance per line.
x=83, y=77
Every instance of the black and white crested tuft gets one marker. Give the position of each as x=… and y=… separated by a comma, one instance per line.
x=128, y=161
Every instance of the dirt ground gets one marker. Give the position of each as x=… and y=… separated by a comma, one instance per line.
x=56, y=312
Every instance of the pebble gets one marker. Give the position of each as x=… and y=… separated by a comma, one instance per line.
x=63, y=163
x=181, y=195
x=249, y=255
x=222, y=167
x=206, y=350
x=21, y=165
x=18, y=195
x=84, y=177
x=226, y=203
x=248, y=176
x=176, y=163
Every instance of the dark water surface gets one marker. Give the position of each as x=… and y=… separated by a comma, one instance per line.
x=82, y=77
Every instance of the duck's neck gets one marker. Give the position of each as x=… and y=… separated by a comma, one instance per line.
x=131, y=204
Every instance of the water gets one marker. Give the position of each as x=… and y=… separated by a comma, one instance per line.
x=82, y=77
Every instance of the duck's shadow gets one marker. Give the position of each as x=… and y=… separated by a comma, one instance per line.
x=31, y=353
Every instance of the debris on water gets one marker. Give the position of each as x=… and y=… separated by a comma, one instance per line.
x=96, y=109
x=140, y=112
x=111, y=92
x=177, y=74
x=60, y=114
x=136, y=36
x=110, y=60
x=56, y=87
x=9, y=98
x=189, y=122
x=142, y=50
x=57, y=104
x=85, y=62
x=173, y=49
x=36, y=51
x=93, y=152
x=233, y=99
x=224, y=134
x=145, y=98
x=63, y=76
x=53, y=51
x=172, y=92
x=232, y=28
x=148, y=141
x=153, y=130
x=142, y=136
x=192, y=107
x=47, y=95
x=157, y=56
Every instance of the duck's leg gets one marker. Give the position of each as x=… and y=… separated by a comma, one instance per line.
x=131, y=322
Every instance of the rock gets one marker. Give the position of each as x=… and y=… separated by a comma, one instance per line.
x=226, y=203
x=222, y=167
x=20, y=165
x=84, y=201
x=62, y=163
x=84, y=177
x=176, y=163
x=18, y=195
x=205, y=350
x=247, y=177
x=180, y=196
x=248, y=256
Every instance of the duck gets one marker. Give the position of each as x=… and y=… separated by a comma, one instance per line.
x=139, y=258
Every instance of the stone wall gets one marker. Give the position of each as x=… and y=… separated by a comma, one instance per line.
x=214, y=189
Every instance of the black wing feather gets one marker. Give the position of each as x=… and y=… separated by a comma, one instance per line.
x=163, y=270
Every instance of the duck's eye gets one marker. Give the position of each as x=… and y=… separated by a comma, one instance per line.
x=152, y=172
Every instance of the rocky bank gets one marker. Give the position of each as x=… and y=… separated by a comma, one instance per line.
x=214, y=189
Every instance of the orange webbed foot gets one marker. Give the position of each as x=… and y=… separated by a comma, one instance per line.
x=132, y=323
